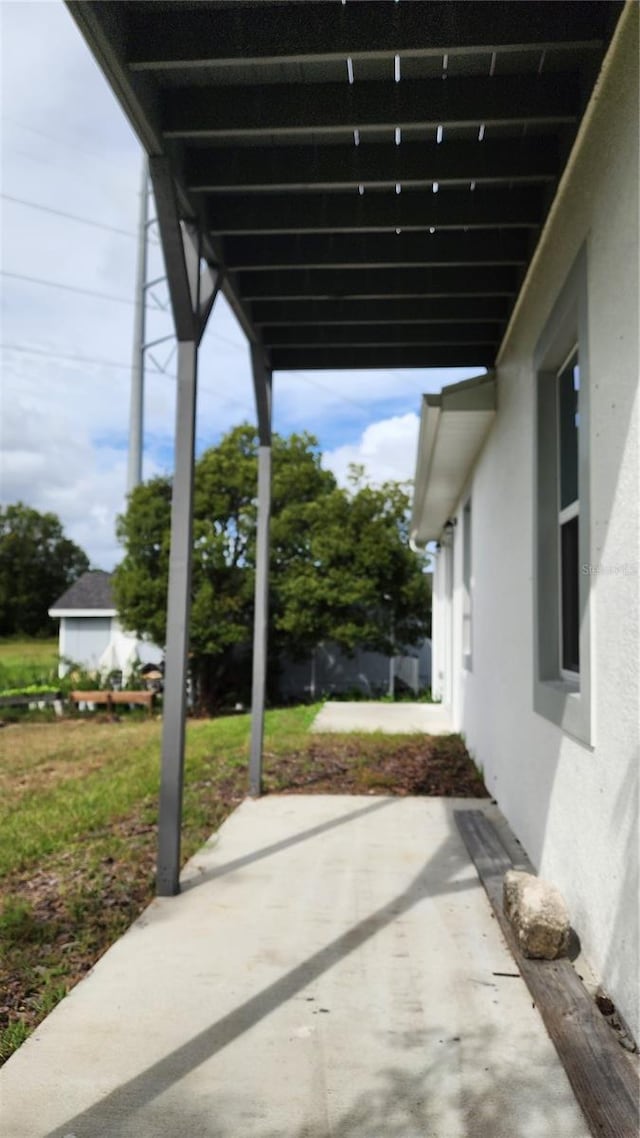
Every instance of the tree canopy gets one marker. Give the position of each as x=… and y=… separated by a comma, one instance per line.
x=37, y=564
x=340, y=564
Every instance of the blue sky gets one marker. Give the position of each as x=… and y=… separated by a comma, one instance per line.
x=67, y=147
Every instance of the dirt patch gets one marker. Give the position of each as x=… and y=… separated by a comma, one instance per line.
x=413, y=765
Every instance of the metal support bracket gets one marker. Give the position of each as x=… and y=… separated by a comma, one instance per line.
x=192, y=285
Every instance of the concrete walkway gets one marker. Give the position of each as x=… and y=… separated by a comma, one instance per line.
x=391, y=718
x=330, y=969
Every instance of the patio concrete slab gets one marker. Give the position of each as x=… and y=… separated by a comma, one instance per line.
x=391, y=718
x=331, y=968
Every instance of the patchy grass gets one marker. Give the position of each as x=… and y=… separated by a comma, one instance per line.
x=27, y=661
x=78, y=811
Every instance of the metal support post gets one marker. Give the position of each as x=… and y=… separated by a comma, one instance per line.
x=262, y=384
x=193, y=290
x=136, y=414
x=178, y=612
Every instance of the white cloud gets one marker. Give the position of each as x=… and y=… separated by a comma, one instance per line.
x=67, y=145
x=386, y=449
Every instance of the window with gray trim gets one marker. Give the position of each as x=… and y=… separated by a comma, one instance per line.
x=568, y=418
x=466, y=585
x=561, y=536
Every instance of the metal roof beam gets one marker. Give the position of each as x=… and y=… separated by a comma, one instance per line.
x=426, y=356
x=438, y=309
x=203, y=35
x=355, y=335
x=451, y=247
x=332, y=284
x=298, y=168
x=352, y=213
x=330, y=108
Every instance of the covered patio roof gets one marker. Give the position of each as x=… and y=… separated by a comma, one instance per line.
x=368, y=179
x=365, y=183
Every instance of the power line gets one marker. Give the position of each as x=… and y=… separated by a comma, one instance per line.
x=102, y=363
x=105, y=296
x=69, y=288
x=93, y=154
x=157, y=371
x=22, y=348
x=336, y=394
x=69, y=216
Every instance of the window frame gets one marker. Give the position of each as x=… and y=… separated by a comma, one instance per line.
x=565, y=514
x=559, y=695
x=467, y=584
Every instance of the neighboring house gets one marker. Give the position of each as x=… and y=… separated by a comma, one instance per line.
x=90, y=634
x=528, y=481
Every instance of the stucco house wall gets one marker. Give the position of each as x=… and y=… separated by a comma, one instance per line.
x=572, y=801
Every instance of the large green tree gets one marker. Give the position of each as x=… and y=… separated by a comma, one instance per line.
x=361, y=584
x=37, y=564
x=341, y=567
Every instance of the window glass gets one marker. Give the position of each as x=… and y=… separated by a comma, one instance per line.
x=568, y=392
x=466, y=581
x=569, y=564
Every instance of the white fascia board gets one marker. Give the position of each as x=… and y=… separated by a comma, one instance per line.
x=453, y=427
x=55, y=613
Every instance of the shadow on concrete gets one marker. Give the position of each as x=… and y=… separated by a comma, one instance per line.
x=200, y=878
x=107, y=1117
x=456, y=1085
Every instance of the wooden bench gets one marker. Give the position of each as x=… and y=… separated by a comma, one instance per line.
x=110, y=698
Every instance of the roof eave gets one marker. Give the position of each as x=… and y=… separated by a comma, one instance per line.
x=57, y=614
x=453, y=428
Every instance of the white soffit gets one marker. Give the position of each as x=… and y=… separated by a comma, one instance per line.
x=453, y=427
x=59, y=613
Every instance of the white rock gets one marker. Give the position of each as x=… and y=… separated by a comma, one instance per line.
x=537, y=914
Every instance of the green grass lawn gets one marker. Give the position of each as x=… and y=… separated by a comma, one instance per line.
x=27, y=661
x=78, y=824
x=63, y=782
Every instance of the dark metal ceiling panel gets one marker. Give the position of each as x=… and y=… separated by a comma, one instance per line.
x=459, y=310
x=333, y=283
x=377, y=250
x=268, y=33
x=411, y=164
x=356, y=335
x=339, y=108
x=352, y=213
x=421, y=356
x=369, y=178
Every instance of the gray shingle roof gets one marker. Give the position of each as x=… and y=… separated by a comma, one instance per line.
x=91, y=591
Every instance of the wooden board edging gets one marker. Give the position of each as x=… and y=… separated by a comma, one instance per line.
x=601, y=1075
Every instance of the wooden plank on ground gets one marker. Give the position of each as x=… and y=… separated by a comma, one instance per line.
x=602, y=1076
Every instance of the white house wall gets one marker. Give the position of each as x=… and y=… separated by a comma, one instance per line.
x=573, y=805
x=84, y=639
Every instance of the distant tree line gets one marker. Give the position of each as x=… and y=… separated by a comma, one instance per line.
x=37, y=564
